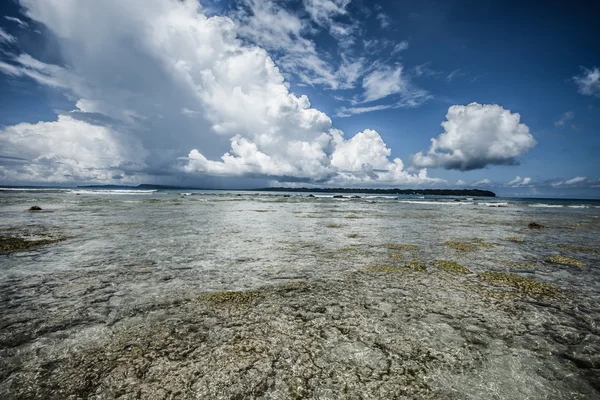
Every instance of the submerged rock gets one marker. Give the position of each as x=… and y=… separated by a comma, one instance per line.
x=311, y=195
x=35, y=208
x=16, y=244
x=535, y=225
x=338, y=196
x=579, y=249
x=356, y=197
x=461, y=246
x=451, y=266
x=564, y=260
x=526, y=285
x=400, y=246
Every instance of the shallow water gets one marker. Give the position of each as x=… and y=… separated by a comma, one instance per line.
x=128, y=254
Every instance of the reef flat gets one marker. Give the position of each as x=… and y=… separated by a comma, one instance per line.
x=135, y=296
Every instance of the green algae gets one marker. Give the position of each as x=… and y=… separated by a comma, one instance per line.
x=461, y=246
x=235, y=298
x=386, y=268
x=564, y=260
x=353, y=235
x=409, y=265
x=16, y=244
x=515, y=239
x=333, y=226
x=525, y=285
x=395, y=255
x=481, y=242
x=451, y=266
x=579, y=249
x=415, y=265
x=404, y=247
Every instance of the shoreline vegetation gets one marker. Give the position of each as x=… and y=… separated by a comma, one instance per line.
x=426, y=192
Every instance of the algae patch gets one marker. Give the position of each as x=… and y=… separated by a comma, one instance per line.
x=415, y=265
x=515, y=239
x=404, y=247
x=386, y=268
x=461, y=246
x=564, y=260
x=234, y=298
x=579, y=249
x=526, y=285
x=333, y=226
x=452, y=267
x=16, y=244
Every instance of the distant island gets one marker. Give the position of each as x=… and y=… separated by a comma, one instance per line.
x=423, y=192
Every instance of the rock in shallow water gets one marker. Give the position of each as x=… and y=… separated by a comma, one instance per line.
x=412, y=335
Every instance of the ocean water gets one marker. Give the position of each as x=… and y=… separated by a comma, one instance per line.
x=130, y=255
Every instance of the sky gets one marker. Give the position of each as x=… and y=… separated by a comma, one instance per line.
x=494, y=95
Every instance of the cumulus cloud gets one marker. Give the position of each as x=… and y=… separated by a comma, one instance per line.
x=518, y=181
x=161, y=88
x=475, y=136
x=483, y=182
x=67, y=150
x=588, y=83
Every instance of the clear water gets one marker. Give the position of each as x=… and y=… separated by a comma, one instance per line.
x=130, y=249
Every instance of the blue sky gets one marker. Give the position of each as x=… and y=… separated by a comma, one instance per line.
x=313, y=92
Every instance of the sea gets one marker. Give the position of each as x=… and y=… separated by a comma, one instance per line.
x=115, y=256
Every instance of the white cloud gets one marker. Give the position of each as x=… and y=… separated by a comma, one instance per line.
x=564, y=118
x=518, y=181
x=6, y=37
x=384, y=20
x=454, y=74
x=19, y=22
x=156, y=80
x=483, y=182
x=385, y=81
x=475, y=136
x=403, y=45
x=577, y=182
x=67, y=150
x=323, y=11
x=588, y=83
x=283, y=32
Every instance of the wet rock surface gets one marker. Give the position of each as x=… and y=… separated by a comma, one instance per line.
x=373, y=335
x=269, y=297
